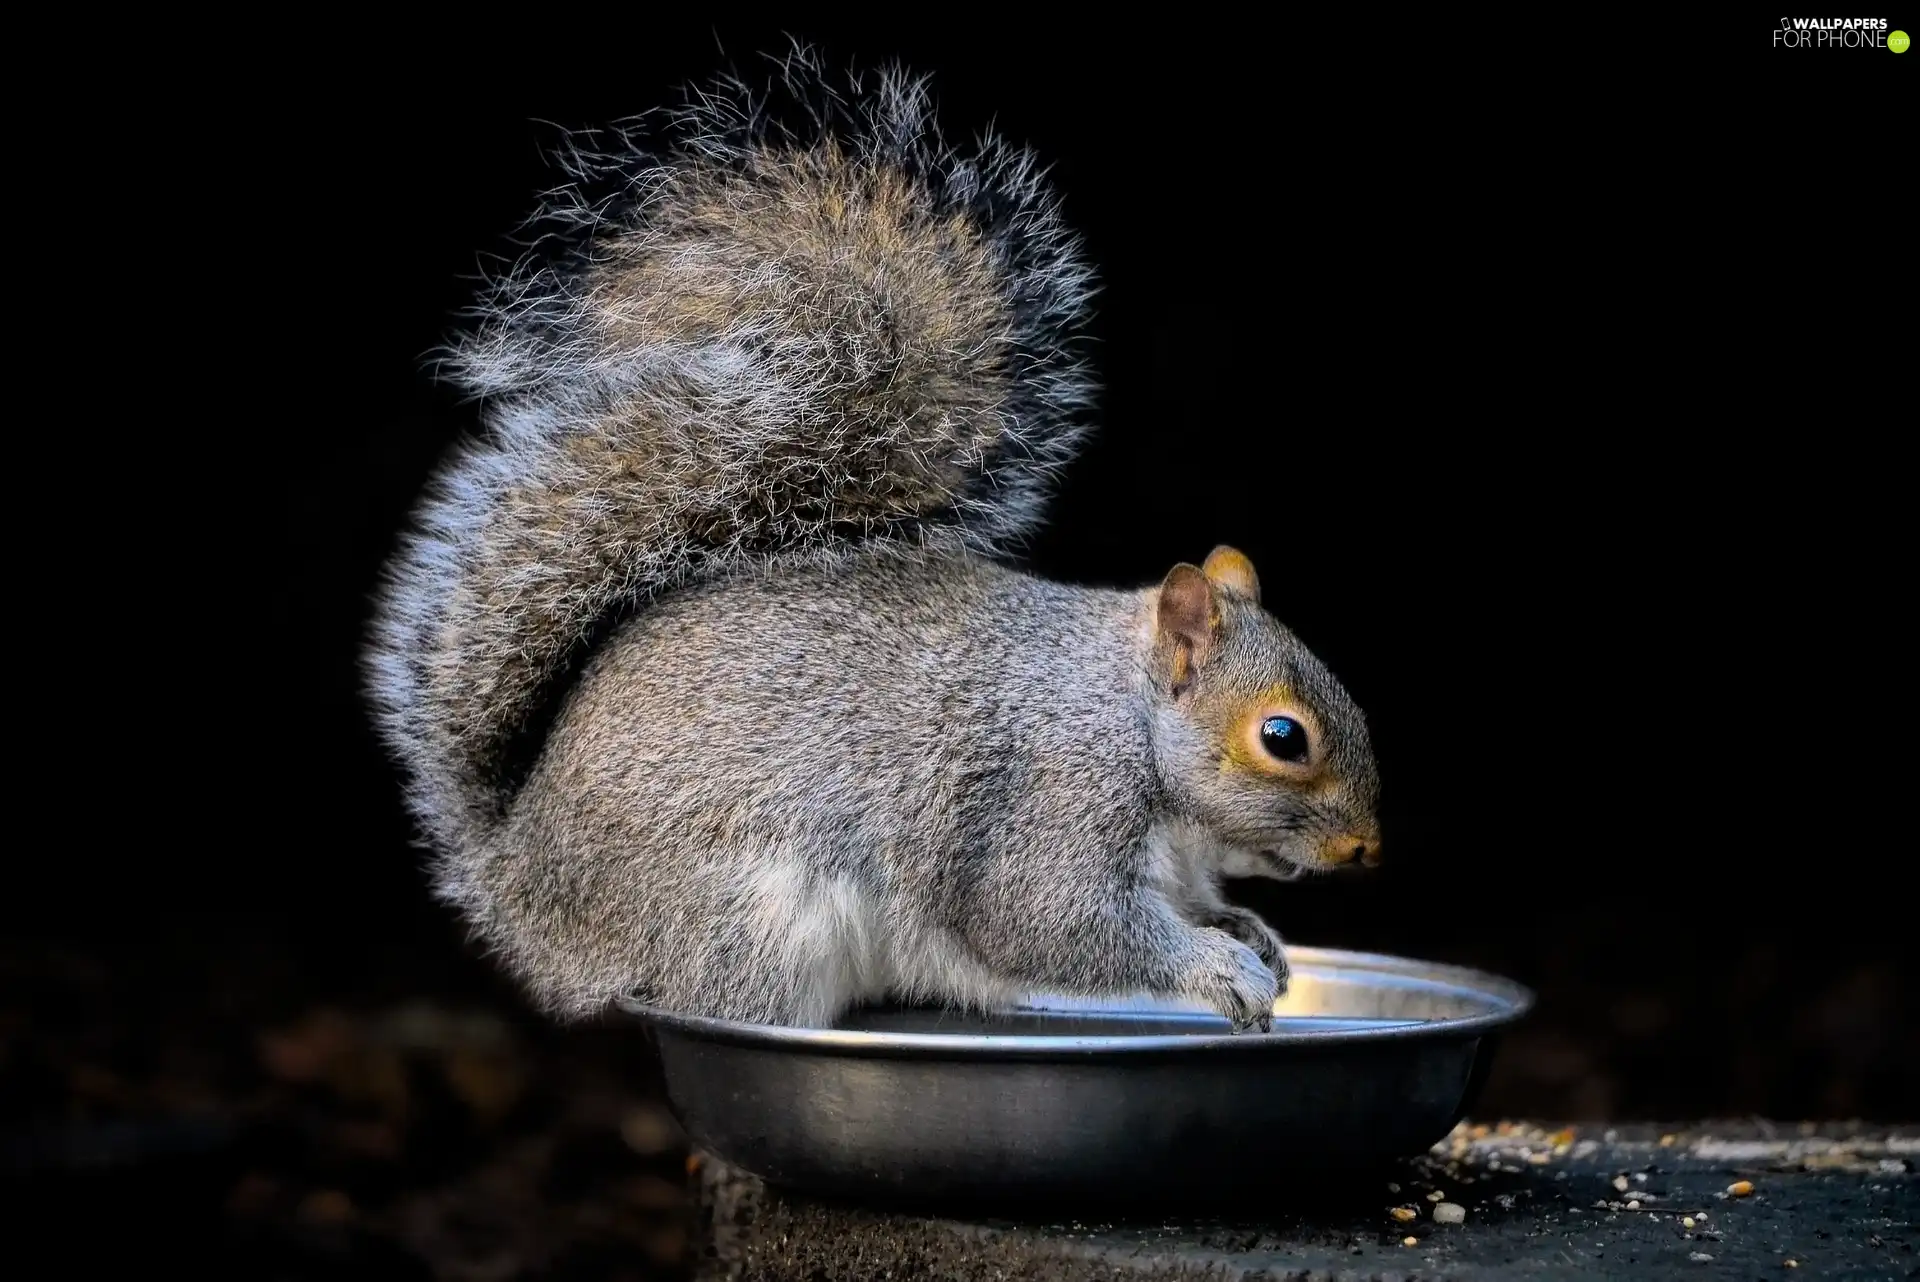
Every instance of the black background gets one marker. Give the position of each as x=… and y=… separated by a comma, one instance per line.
x=1565, y=438
x=1600, y=615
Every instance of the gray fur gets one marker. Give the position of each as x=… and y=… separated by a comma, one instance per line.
x=791, y=397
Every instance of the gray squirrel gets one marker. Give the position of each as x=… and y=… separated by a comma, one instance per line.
x=756, y=440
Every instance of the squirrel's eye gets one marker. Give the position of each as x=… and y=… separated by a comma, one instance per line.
x=1284, y=738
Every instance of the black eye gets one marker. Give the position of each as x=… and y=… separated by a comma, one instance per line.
x=1284, y=738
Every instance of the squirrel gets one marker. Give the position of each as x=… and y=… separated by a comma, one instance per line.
x=759, y=441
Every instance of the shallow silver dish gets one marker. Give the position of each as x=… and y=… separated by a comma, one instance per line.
x=1370, y=1058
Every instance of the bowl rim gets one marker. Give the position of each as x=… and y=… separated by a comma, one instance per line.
x=1510, y=1001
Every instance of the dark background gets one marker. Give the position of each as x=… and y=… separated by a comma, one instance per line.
x=1572, y=461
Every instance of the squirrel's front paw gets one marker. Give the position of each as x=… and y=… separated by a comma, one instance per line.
x=1247, y=927
x=1230, y=977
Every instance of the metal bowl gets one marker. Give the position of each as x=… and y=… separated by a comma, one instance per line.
x=1370, y=1058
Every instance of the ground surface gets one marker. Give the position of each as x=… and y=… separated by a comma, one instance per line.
x=230, y=1118
x=1839, y=1202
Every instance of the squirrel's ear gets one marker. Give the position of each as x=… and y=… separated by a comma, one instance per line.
x=1230, y=568
x=1187, y=620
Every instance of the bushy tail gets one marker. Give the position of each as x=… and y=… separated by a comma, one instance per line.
x=797, y=322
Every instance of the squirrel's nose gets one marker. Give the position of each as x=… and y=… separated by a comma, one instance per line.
x=1347, y=849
